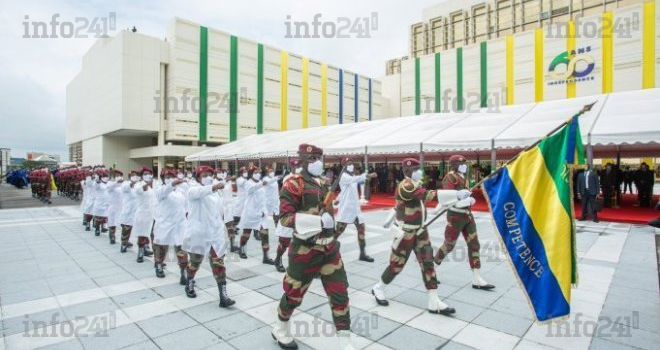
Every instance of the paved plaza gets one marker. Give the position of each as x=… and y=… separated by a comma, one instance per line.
x=56, y=278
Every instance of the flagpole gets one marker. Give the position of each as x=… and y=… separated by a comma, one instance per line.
x=584, y=109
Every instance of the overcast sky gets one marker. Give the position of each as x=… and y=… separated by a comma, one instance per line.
x=34, y=72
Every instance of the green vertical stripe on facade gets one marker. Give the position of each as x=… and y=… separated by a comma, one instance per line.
x=418, y=90
x=438, y=92
x=260, y=89
x=459, y=78
x=203, y=75
x=484, y=74
x=233, y=89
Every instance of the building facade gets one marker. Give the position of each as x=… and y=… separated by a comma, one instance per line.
x=612, y=48
x=5, y=162
x=140, y=100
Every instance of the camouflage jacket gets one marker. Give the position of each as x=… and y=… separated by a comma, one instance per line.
x=454, y=181
x=410, y=198
x=302, y=193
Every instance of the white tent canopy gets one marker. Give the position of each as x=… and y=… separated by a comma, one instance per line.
x=625, y=121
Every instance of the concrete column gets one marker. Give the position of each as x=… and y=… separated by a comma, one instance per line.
x=161, y=164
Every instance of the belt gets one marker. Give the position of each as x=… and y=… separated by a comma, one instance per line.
x=461, y=210
x=406, y=226
x=324, y=241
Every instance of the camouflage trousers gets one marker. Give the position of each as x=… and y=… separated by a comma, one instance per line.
x=421, y=245
x=160, y=253
x=282, y=245
x=304, y=262
x=217, y=265
x=341, y=227
x=87, y=218
x=125, y=233
x=112, y=230
x=100, y=220
x=458, y=223
x=263, y=234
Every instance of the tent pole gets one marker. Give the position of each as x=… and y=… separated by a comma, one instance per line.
x=363, y=186
x=236, y=166
x=590, y=151
x=493, y=156
x=421, y=153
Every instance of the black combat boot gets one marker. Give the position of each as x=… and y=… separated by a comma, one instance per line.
x=190, y=289
x=123, y=247
x=257, y=236
x=140, y=257
x=233, y=246
x=225, y=301
x=241, y=252
x=160, y=273
x=147, y=251
x=278, y=264
x=183, y=280
x=365, y=257
x=97, y=230
x=266, y=260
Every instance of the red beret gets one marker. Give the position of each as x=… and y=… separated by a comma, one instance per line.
x=456, y=158
x=308, y=149
x=253, y=169
x=346, y=160
x=169, y=172
x=146, y=169
x=242, y=169
x=219, y=170
x=294, y=162
x=411, y=163
x=133, y=172
x=204, y=169
x=118, y=172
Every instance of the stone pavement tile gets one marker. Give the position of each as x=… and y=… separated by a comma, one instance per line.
x=311, y=301
x=402, y=337
x=452, y=345
x=514, y=307
x=464, y=311
x=414, y=298
x=477, y=297
x=169, y=290
x=116, y=339
x=136, y=298
x=10, y=288
x=24, y=296
x=73, y=344
x=34, y=322
x=275, y=291
x=480, y=337
x=439, y=325
x=197, y=337
x=165, y=324
x=370, y=325
x=502, y=322
x=118, y=277
x=525, y=344
x=362, y=283
x=608, y=344
x=209, y=311
x=257, y=282
x=259, y=339
x=266, y=313
x=72, y=286
x=89, y=308
x=562, y=335
x=646, y=319
x=637, y=337
x=397, y=311
x=145, y=345
x=233, y=326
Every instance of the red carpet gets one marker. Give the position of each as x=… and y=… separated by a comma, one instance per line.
x=627, y=213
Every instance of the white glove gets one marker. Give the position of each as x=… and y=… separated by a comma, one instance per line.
x=327, y=221
x=438, y=209
x=462, y=194
x=464, y=203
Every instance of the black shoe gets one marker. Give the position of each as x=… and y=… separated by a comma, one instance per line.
x=266, y=260
x=159, y=271
x=225, y=301
x=123, y=248
x=233, y=248
x=486, y=287
x=278, y=264
x=112, y=240
x=380, y=302
x=147, y=252
x=97, y=232
x=140, y=257
x=87, y=228
x=104, y=230
x=183, y=280
x=257, y=236
x=290, y=346
x=365, y=257
x=447, y=311
x=190, y=289
x=241, y=252
x=129, y=244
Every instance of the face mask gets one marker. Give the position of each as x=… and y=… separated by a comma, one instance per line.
x=256, y=176
x=88, y=178
x=135, y=178
x=189, y=175
x=105, y=179
x=207, y=180
x=316, y=168
x=179, y=176
x=271, y=174
x=350, y=168
x=218, y=176
x=222, y=176
x=168, y=181
x=119, y=178
x=147, y=177
x=96, y=177
x=298, y=170
x=245, y=175
x=417, y=175
x=462, y=168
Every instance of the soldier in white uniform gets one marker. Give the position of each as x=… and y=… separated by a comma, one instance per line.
x=239, y=201
x=145, y=212
x=115, y=194
x=254, y=215
x=205, y=233
x=128, y=208
x=349, y=205
x=101, y=201
x=227, y=194
x=88, y=198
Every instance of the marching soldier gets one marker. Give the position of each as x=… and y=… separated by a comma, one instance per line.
x=349, y=205
x=128, y=209
x=88, y=198
x=283, y=235
x=461, y=221
x=409, y=236
x=227, y=194
x=314, y=249
x=115, y=195
x=101, y=201
x=254, y=214
x=144, y=215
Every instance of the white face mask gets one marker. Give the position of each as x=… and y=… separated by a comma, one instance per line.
x=207, y=180
x=271, y=174
x=168, y=181
x=88, y=177
x=245, y=174
x=189, y=175
x=218, y=176
x=135, y=178
x=417, y=175
x=119, y=178
x=256, y=176
x=222, y=176
x=96, y=177
x=179, y=176
x=462, y=168
x=298, y=170
x=350, y=168
x=316, y=168
x=147, y=177
x=105, y=179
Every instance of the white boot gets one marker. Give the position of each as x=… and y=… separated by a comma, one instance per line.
x=478, y=282
x=436, y=306
x=379, y=292
x=345, y=340
x=282, y=335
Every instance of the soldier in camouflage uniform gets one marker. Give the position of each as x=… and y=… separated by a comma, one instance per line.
x=410, y=217
x=461, y=221
x=313, y=249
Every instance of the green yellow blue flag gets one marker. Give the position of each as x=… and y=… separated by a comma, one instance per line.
x=531, y=202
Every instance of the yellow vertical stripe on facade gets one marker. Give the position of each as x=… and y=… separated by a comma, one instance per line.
x=608, y=52
x=570, y=47
x=648, y=55
x=538, y=65
x=305, y=92
x=284, y=85
x=509, y=70
x=324, y=94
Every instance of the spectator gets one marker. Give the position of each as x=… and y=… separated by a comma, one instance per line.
x=644, y=181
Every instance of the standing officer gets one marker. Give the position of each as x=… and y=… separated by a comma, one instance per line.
x=460, y=220
x=588, y=190
x=313, y=250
